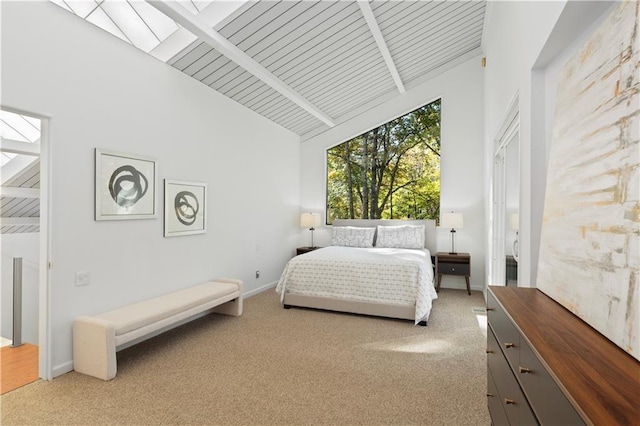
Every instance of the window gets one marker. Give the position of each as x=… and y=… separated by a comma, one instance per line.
x=390, y=172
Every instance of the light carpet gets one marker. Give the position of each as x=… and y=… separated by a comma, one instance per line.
x=274, y=366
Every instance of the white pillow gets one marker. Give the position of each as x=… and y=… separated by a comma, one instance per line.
x=351, y=236
x=403, y=236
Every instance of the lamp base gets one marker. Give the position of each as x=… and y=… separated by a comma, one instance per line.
x=453, y=245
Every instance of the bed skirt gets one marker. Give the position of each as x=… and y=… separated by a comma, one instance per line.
x=407, y=312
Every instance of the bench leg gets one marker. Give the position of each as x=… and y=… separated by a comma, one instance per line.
x=94, y=348
x=232, y=307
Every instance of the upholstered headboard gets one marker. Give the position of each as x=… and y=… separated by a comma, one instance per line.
x=429, y=227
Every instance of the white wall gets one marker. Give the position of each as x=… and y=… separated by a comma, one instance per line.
x=101, y=92
x=27, y=247
x=525, y=43
x=461, y=91
x=514, y=34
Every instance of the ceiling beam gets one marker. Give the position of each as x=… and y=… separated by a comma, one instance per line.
x=19, y=221
x=15, y=167
x=216, y=40
x=19, y=147
x=18, y=192
x=365, y=8
x=216, y=13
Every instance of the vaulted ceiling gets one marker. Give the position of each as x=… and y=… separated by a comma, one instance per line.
x=306, y=65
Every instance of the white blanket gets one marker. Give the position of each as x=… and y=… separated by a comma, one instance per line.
x=381, y=275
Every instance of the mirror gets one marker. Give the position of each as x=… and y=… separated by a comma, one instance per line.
x=512, y=209
x=505, y=224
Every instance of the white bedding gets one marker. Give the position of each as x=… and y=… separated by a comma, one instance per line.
x=380, y=275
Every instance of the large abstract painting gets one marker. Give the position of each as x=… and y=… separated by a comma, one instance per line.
x=590, y=245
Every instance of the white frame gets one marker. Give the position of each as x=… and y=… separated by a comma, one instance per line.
x=506, y=135
x=102, y=195
x=173, y=227
x=45, y=370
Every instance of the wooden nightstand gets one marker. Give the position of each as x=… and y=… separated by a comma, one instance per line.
x=303, y=250
x=453, y=264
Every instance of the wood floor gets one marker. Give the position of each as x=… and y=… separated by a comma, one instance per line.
x=19, y=366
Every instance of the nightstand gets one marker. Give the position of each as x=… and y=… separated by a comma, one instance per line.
x=303, y=250
x=453, y=264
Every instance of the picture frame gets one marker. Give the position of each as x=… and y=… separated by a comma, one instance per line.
x=185, y=207
x=125, y=186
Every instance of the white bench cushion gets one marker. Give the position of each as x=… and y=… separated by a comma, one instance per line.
x=138, y=315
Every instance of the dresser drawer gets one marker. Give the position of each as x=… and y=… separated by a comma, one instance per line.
x=450, y=268
x=506, y=333
x=513, y=401
x=545, y=397
x=494, y=354
x=498, y=416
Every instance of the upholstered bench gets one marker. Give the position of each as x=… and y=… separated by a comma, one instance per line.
x=97, y=338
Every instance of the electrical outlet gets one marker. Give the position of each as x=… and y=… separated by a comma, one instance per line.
x=82, y=278
x=257, y=274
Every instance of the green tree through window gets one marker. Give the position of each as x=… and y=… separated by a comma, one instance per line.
x=390, y=172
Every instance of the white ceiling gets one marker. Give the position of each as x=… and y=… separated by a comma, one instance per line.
x=305, y=65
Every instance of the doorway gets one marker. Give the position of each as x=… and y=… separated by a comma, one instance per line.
x=506, y=202
x=24, y=228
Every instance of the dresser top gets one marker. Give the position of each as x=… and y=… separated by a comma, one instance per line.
x=601, y=380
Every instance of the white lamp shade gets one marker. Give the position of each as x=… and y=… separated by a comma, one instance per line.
x=309, y=220
x=452, y=220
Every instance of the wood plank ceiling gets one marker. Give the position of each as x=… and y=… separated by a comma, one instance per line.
x=325, y=52
x=20, y=173
x=19, y=207
x=306, y=65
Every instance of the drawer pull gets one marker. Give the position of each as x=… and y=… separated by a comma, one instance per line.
x=489, y=351
x=490, y=309
x=509, y=401
x=489, y=394
x=509, y=345
x=524, y=370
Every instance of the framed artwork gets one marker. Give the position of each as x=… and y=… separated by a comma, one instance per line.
x=125, y=186
x=185, y=205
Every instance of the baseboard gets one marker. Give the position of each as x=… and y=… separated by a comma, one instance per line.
x=461, y=287
x=63, y=368
x=260, y=289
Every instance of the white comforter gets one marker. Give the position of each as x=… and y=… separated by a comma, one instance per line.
x=381, y=275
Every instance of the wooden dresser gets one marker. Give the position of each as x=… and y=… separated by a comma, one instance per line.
x=546, y=366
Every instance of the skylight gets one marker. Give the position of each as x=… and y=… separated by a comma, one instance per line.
x=19, y=128
x=134, y=21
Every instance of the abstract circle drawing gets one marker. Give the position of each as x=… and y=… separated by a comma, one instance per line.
x=127, y=185
x=186, y=206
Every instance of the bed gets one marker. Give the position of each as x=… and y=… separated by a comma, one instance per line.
x=393, y=282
